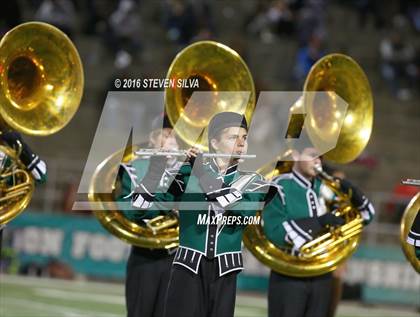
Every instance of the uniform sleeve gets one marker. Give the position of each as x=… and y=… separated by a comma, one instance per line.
x=127, y=181
x=366, y=210
x=282, y=229
x=39, y=173
x=301, y=231
x=359, y=200
x=32, y=162
x=177, y=180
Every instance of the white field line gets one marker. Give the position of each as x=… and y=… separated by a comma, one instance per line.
x=48, y=282
x=85, y=286
x=80, y=296
x=118, y=289
x=52, y=310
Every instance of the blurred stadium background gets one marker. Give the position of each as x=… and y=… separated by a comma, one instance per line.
x=279, y=40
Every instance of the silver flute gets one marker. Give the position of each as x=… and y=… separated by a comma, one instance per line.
x=154, y=152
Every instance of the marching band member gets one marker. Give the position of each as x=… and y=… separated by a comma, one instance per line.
x=413, y=237
x=148, y=270
x=204, y=271
x=29, y=159
x=299, y=220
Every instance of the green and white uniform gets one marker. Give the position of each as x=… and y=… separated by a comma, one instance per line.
x=203, y=275
x=292, y=225
x=147, y=271
x=129, y=177
x=295, y=222
x=224, y=241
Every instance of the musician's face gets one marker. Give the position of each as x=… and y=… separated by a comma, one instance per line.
x=164, y=139
x=306, y=161
x=231, y=140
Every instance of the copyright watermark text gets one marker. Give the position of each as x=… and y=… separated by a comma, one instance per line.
x=155, y=83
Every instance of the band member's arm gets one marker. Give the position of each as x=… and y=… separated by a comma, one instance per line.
x=413, y=237
x=216, y=190
x=127, y=181
x=33, y=163
x=359, y=200
x=282, y=229
x=147, y=193
x=144, y=194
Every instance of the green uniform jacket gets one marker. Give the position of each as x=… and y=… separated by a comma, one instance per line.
x=294, y=223
x=129, y=176
x=198, y=236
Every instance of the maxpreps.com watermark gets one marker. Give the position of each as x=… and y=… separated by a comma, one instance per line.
x=220, y=220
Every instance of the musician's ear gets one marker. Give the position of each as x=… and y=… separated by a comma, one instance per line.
x=295, y=155
x=154, y=140
x=214, y=144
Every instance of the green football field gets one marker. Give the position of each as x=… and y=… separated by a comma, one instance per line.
x=36, y=297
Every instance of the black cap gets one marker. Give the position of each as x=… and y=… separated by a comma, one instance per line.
x=224, y=120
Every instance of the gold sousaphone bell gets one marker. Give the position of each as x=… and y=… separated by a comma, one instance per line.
x=217, y=68
x=159, y=233
x=342, y=75
x=406, y=222
x=41, y=85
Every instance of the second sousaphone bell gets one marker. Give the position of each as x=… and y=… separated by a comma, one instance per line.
x=218, y=69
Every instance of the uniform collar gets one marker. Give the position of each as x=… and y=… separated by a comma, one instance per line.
x=301, y=180
x=231, y=170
